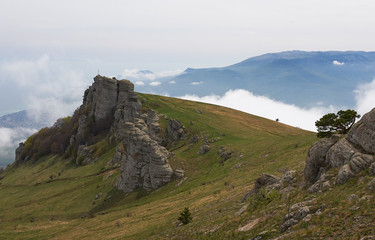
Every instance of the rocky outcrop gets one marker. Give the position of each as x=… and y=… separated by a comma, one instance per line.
x=271, y=182
x=340, y=153
x=144, y=162
x=352, y=153
x=19, y=153
x=316, y=159
x=84, y=154
x=175, y=130
x=363, y=133
x=344, y=174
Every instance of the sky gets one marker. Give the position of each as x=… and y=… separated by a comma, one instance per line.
x=51, y=50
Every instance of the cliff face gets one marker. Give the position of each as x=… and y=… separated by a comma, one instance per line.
x=111, y=107
x=144, y=162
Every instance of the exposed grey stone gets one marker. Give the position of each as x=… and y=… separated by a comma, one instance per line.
x=194, y=139
x=340, y=153
x=287, y=224
x=179, y=173
x=224, y=153
x=144, y=162
x=299, y=205
x=344, y=174
x=153, y=125
x=372, y=169
x=301, y=213
x=363, y=132
x=175, y=130
x=204, y=148
x=288, y=177
x=265, y=180
x=295, y=216
x=19, y=153
x=242, y=210
x=371, y=185
x=84, y=154
x=360, y=161
x=316, y=159
x=99, y=195
x=352, y=197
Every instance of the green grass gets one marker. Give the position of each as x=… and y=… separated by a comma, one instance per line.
x=212, y=191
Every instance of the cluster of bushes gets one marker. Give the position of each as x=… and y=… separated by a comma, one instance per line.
x=51, y=140
x=56, y=139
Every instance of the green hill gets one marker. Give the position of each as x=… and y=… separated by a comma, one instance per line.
x=54, y=198
x=35, y=206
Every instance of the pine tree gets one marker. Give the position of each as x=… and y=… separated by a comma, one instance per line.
x=185, y=216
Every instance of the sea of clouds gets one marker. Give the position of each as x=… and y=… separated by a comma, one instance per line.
x=57, y=91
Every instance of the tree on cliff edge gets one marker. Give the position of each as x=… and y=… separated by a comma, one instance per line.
x=336, y=123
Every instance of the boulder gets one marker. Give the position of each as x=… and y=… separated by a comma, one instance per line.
x=340, y=153
x=360, y=161
x=344, y=174
x=288, y=177
x=316, y=159
x=194, y=139
x=175, y=130
x=204, y=148
x=265, y=180
x=363, y=133
x=179, y=173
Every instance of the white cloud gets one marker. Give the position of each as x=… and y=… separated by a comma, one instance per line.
x=365, y=97
x=196, y=83
x=172, y=82
x=246, y=101
x=146, y=75
x=156, y=83
x=56, y=89
x=140, y=83
x=335, y=62
x=9, y=140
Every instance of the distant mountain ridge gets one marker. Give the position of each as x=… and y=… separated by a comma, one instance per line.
x=23, y=120
x=294, y=77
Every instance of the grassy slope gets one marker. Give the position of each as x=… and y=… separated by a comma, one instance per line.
x=31, y=207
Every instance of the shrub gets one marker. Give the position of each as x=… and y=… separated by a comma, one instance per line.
x=185, y=216
x=336, y=123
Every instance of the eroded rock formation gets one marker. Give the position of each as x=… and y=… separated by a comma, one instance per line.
x=144, y=162
x=352, y=153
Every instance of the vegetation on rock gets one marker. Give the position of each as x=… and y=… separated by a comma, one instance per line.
x=336, y=123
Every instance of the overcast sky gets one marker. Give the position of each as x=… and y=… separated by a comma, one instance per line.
x=50, y=50
x=42, y=42
x=169, y=34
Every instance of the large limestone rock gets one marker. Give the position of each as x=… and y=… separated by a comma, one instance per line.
x=316, y=159
x=175, y=130
x=353, y=153
x=108, y=100
x=340, y=153
x=344, y=174
x=144, y=163
x=363, y=132
x=360, y=161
